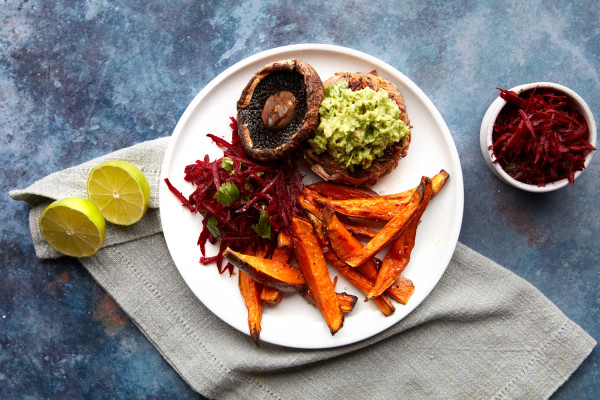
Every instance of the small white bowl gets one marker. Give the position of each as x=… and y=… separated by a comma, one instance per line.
x=487, y=125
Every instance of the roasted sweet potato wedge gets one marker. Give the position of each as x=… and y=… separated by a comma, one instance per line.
x=377, y=208
x=396, y=292
x=438, y=182
x=354, y=277
x=308, y=201
x=381, y=208
x=391, y=229
x=285, y=245
x=282, y=254
x=272, y=273
x=284, y=240
x=347, y=301
x=402, y=288
x=250, y=291
x=345, y=244
x=398, y=256
x=314, y=268
x=358, y=229
x=341, y=240
x=270, y=295
x=341, y=192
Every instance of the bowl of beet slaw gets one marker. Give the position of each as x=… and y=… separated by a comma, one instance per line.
x=538, y=137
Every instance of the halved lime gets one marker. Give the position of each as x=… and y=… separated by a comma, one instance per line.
x=120, y=190
x=73, y=226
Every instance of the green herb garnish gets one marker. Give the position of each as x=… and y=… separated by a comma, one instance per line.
x=263, y=228
x=213, y=226
x=227, y=164
x=227, y=193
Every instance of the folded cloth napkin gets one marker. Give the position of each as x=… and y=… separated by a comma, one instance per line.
x=483, y=332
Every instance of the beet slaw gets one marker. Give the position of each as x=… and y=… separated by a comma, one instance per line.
x=244, y=202
x=539, y=138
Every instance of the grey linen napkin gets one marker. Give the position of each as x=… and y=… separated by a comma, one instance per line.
x=483, y=332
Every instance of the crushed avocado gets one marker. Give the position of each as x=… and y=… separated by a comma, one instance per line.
x=356, y=127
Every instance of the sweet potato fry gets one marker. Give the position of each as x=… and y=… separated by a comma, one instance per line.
x=314, y=268
x=398, y=255
x=381, y=208
x=272, y=273
x=403, y=288
x=378, y=208
x=397, y=291
x=341, y=192
x=438, y=182
x=345, y=244
x=308, y=201
x=355, y=277
x=250, y=290
x=341, y=240
x=347, y=301
x=358, y=229
x=285, y=245
x=284, y=240
x=270, y=295
x=391, y=229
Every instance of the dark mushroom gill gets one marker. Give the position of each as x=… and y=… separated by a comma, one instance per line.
x=261, y=136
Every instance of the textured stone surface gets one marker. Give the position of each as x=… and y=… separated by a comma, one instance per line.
x=80, y=79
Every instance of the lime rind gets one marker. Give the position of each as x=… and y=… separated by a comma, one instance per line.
x=73, y=226
x=120, y=190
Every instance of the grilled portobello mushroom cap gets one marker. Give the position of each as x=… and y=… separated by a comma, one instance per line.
x=279, y=108
x=326, y=167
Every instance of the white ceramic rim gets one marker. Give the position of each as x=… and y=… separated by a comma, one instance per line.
x=487, y=126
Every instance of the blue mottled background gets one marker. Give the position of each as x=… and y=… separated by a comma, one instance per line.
x=82, y=78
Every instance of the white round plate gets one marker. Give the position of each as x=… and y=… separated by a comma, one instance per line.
x=295, y=322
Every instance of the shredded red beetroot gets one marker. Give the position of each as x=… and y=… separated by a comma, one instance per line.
x=244, y=202
x=538, y=138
